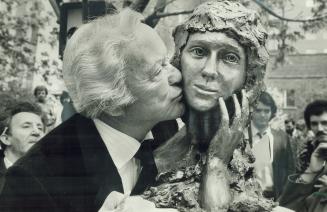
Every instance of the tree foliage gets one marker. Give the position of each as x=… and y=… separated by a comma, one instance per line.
x=21, y=20
x=284, y=31
x=20, y=23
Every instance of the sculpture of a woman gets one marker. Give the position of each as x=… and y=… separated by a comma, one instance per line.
x=208, y=164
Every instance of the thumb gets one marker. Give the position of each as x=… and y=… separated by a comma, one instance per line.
x=112, y=201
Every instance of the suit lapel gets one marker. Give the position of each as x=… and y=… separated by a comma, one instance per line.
x=98, y=163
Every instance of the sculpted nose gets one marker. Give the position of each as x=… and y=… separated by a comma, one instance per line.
x=175, y=76
x=210, y=69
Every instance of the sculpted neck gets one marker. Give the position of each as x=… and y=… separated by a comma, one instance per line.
x=201, y=126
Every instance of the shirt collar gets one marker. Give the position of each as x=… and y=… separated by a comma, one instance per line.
x=121, y=147
x=7, y=162
x=255, y=130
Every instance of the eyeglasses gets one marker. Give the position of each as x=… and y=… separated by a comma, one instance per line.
x=4, y=131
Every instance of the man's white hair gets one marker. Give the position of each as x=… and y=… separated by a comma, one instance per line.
x=95, y=64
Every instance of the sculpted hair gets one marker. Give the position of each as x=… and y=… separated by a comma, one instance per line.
x=317, y=108
x=237, y=22
x=95, y=64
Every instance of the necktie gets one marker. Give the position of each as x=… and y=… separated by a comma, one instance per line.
x=149, y=169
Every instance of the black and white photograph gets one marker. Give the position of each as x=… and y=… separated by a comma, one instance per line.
x=163, y=105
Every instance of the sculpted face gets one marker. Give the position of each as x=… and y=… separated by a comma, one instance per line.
x=154, y=81
x=213, y=65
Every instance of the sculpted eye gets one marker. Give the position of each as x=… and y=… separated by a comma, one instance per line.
x=231, y=58
x=198, y=52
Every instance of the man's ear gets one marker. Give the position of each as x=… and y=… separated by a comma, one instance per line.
x=5, y=140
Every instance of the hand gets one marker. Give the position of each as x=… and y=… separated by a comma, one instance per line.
x=317, y=161
x=229, y=135
x=322, y=182
x=118, y=202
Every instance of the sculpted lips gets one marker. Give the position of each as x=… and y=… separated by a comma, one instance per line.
x=205, y=90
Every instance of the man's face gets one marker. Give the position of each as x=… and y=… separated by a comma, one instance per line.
x=213, y=65
x=318, y=123
x=25, y=130
x=41, y=95
x=153, y=80
x=289, y=126
x=261, y=116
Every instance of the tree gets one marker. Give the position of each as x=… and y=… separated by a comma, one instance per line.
x=20, y=22
x=285, y=31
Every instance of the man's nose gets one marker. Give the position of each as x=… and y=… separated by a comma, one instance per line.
x=36, y=131
x=320, y=127
x=175, y=76
x=210, y=70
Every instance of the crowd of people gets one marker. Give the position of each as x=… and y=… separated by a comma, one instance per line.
x=117, y=136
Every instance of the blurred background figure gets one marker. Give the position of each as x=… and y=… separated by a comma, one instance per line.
x=315, y=116
x=290, y=128
x=300, y=125
x=296, y=137
x=21, y=126
x=41, y=93
x=68, y=109
x=307, y=191
x=271, y=148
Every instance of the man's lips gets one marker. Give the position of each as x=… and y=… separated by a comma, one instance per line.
x=205, y=90
x=321, y=136
x=178, y=97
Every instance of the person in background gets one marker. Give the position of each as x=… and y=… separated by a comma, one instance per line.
x=296, y=137
x=307, y=190
x=291, y=129
x=21, y=126
x=41, y=93
x=122, y=84
x=68, y=109
x=271, y=148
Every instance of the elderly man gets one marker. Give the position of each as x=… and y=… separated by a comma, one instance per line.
x=307, y=191
x=117, y=72
x=21, y=126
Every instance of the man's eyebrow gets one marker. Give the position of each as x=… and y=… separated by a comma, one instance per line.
x=26, y=122
x=165, y=59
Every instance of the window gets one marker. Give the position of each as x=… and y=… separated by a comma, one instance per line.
x=290, y=98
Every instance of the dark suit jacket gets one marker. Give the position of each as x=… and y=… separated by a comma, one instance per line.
x=70, y=169
x=283, y=163
x=3, y=170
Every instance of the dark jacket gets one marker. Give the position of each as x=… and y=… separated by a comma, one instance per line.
x=304, y=197
x=283, y=163
x=3, y=170
x=70, y=169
